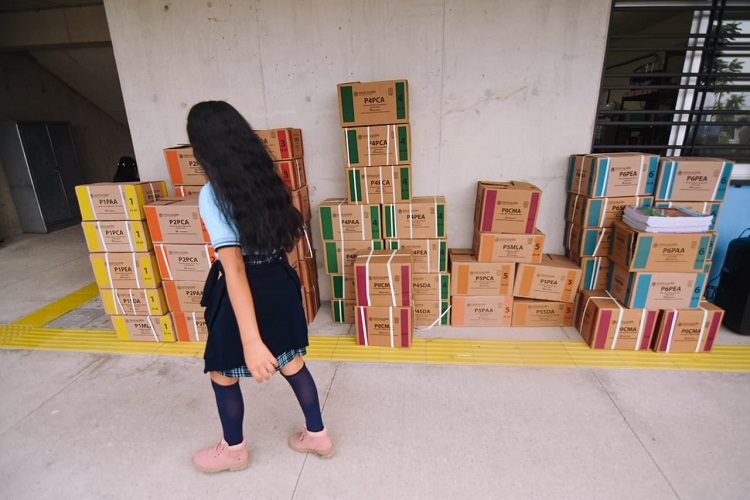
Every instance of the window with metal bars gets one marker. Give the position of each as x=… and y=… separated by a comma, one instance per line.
x=676, y=81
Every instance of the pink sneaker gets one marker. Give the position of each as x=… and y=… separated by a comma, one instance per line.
x=312, y=442
x=222, y=457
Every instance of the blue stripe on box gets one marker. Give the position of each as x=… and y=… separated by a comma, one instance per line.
x=695, y=299
x=641, y=291
x=644, y=250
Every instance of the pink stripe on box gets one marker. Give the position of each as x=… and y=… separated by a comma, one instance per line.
x=532, y=213
x=361, y=291
x=405, y=286
x=667, y=327
x=649, y=331
x=715, y=322
x=601, y=335
x=404, y=327
x=361, y=327
x=489, y=210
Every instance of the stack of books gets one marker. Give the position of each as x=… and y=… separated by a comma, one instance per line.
x=666, y=220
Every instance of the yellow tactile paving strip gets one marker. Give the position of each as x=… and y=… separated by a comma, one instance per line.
x=28, y=333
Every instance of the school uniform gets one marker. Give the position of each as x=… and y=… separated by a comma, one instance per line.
x=277, y=294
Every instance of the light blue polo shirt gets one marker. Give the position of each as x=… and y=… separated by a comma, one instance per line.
x=223, y=232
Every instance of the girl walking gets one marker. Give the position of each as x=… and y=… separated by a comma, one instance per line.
x=253, y=301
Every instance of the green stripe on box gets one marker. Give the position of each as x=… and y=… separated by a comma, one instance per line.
x=351, y=141
x=377, y=244
x=443, y=253
x=401, y=101
x=445, y=286
x=338, y=287
x=643, y=251
x=405, y=184
x=375, y=218
x=355, y=185
x=326, y=222
x=392, y=245
x=332, y=263
x=403, y=144
x=444, y=316
x=338, y=311
x=441, y=221
x=347, y=104
x=390, y=230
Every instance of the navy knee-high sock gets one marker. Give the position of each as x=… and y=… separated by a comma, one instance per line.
x=231, y=411
x=304, y=388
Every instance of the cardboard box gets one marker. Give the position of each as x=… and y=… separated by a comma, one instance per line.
x=373, y=103
x=428, y=255
x=125, y=269
x=384, y=326
x=612, y=174
x=381, y=184
x=383, y=278
x=118, y=200
x=424, y=217
x=341, y=220
x=594, y=272
x=342, y=287
x=134, y=301
x=660, y=252
x=656, y=290
x=303, y=247
x=117, y=236
x=301, y=201
x=496, y=310
x=587, y=241
x=187, y=190
x=292, y=172
x=495, y=247
x=176, y=220
x=601, y=212
x=506, y=207
x=688, y=330
x=282, y=143
x=145, y=328
x=311, y=301
x=343, y=310
x=702, y=207
x=431, y=286
x=471, y=277
x=555, y=278
x=530, y=312
x=184, y=296
x=429, y=313
x=692, y=179
x=339, y=255
x=184, y=262
x=377, y=145
x=307, y=269
x=605, y=323
x=183, y=167
x=190, y=326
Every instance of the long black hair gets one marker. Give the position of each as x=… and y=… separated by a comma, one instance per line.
x=242, y=174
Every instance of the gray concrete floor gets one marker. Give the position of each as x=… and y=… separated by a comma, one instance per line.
x=86, y=425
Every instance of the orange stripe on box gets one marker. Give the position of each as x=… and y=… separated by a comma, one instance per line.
x=170, y=291
x=488, y=247
x=569, y=292
x=527, y=279
x=153, y=224
x=173, y=165
x=457, y=311
x=462, y=283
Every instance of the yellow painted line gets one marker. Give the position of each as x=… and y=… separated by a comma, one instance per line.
x=29, y=333
x=568, y=354
x=60, y=307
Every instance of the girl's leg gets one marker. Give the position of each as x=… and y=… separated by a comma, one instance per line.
x=231, y=452
x=231, y=406
x=296, y=373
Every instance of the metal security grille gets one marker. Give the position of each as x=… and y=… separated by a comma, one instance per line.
x=676, y=79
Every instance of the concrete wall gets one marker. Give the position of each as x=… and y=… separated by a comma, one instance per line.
x=29, y=92
x=499, y=90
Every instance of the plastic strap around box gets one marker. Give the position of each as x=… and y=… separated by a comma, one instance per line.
x=437, y=223
x=346, y=143
x=165, y=259
x=363, y=322
x=640, y=330
x=595, y=272
x=361, y=220
x=124, y=202
x=671, y=330
x=703, y=328
x=128, y=228
x=640, y=175
x=369, y=148
x=439, y=318
x=619, y=321
x=109, y=272
x=411, y=222
x=136, y=270
x=341, y=223
x=390, y=322
x=390, y=278
x=367, y=277
x=599, y=241
x=132, y=301
x=153, y=330
x=195, y=327
x=380, y=176
x=101, y=235
x=604, y=212
x=393, y=185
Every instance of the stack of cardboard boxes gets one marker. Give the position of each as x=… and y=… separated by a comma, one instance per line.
x=380, y=211
x=599, y=187
x=384, y=315
x=506, y=279
x=122, y=257
x=653, y=297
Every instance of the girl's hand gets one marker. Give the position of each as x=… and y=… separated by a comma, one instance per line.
x=259, y=360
